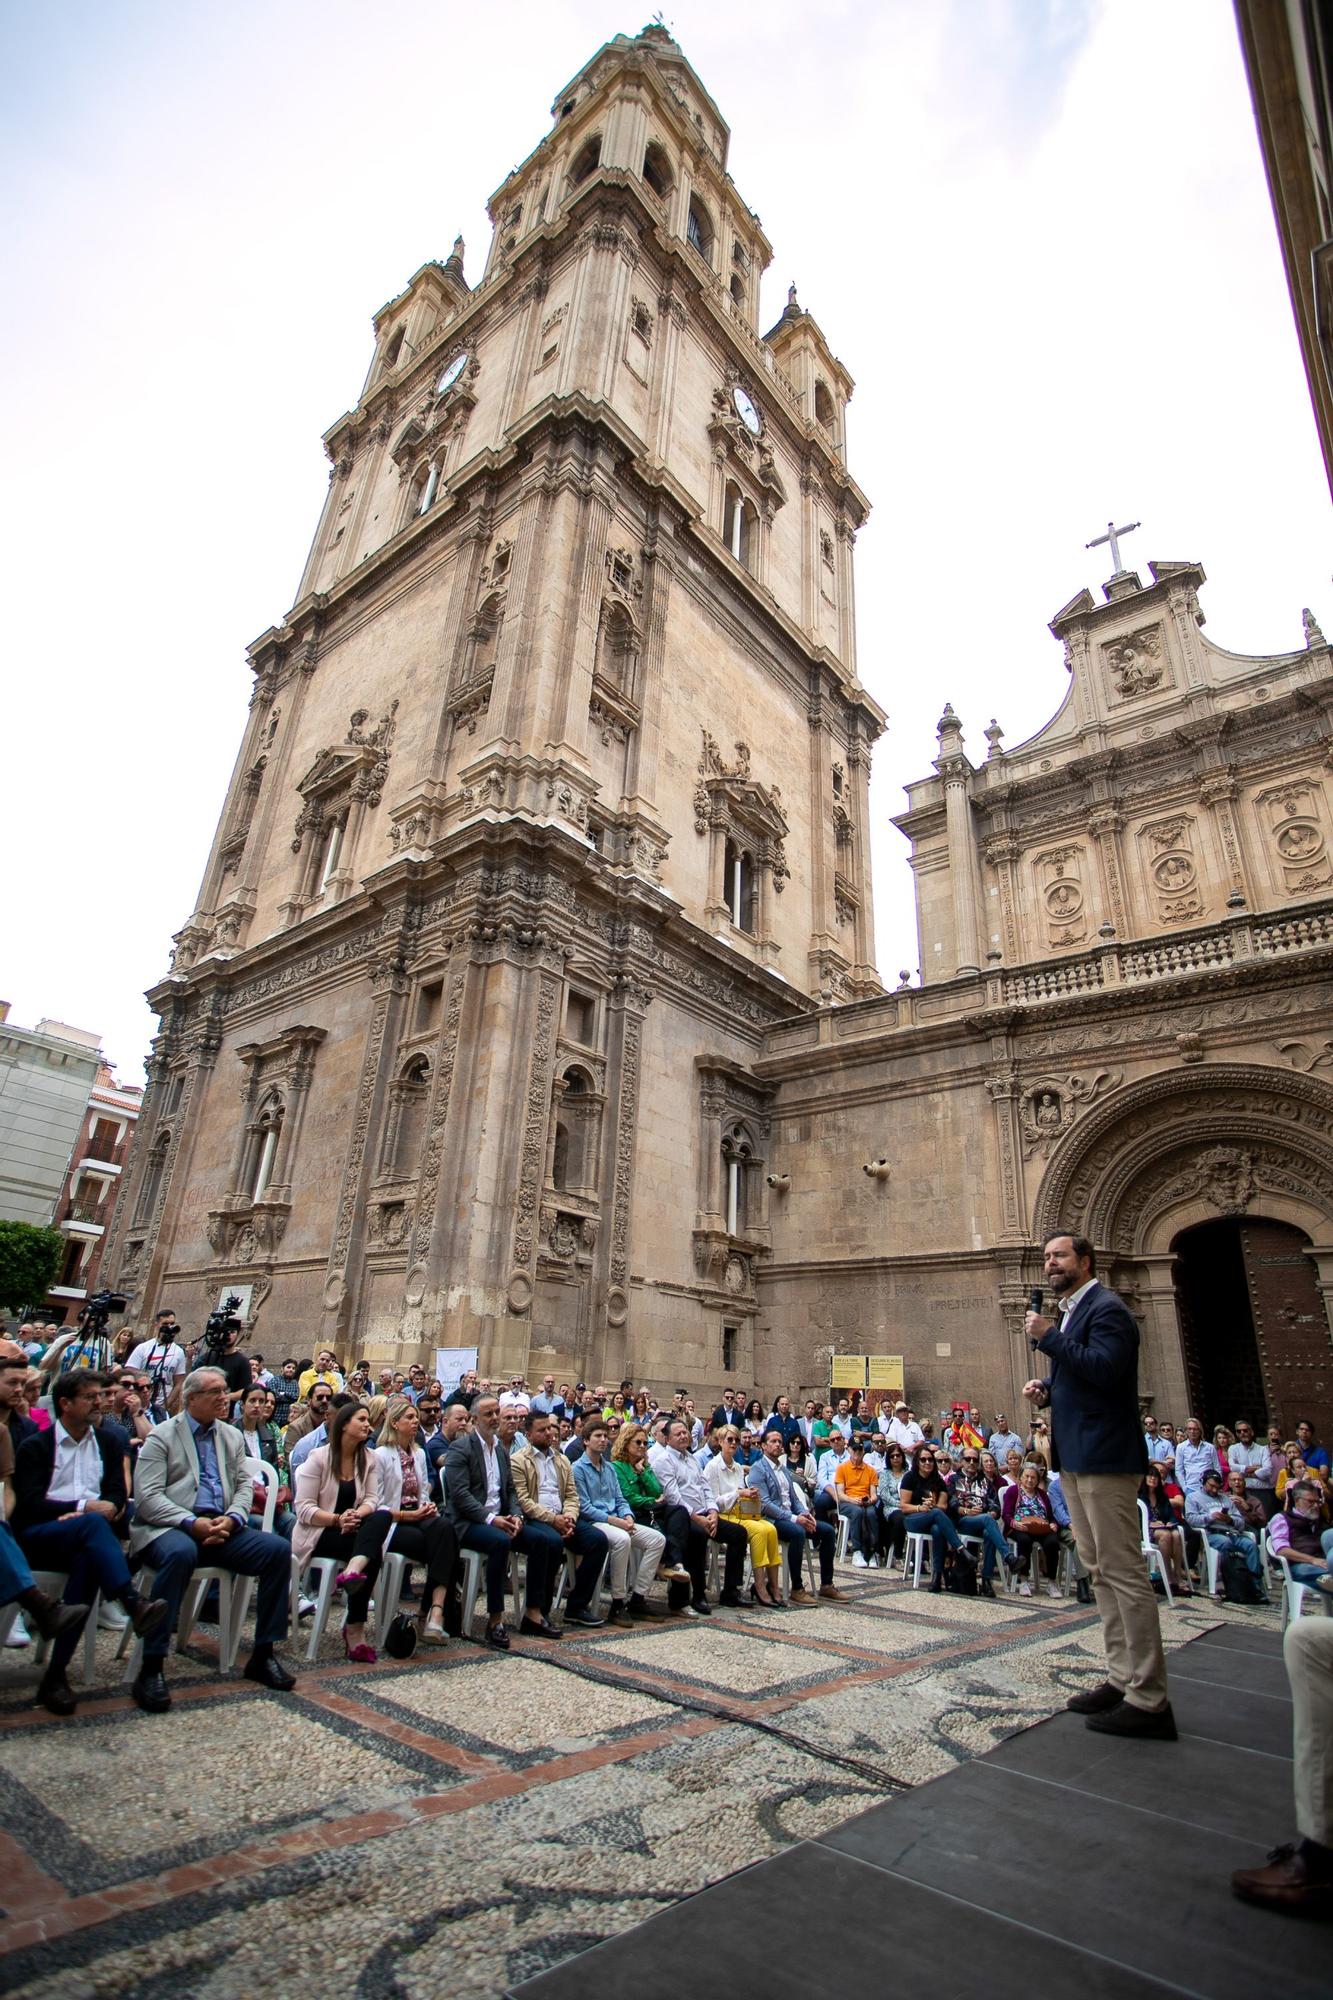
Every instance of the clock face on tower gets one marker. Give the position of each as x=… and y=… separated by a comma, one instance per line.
x=451, y=373
x=746, y=411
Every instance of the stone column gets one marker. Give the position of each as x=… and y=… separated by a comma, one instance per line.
x=955, y=771
x=626, y=1007
x=1162, y=1371
x=1106, y=824
x=1001, y=855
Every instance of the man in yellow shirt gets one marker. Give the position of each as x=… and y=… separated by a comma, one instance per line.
x=857, y=1489
x=325, y=1370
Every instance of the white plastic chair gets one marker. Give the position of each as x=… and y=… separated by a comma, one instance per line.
x=324, y=1572
x=53, y=1582
x=915, y=1548
x=234, y=1592
x=1294, y=1592
x=1156, y=1561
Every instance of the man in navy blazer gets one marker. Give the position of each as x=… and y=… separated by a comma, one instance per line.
x=481, y=1503
x=1097, y=1447
x=69, y=1512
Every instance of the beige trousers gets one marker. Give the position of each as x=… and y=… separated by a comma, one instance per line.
x=1103, y=1507
x=1308, y=1651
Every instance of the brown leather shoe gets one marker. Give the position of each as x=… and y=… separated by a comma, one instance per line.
x=1096, y=1701
x=1286, y=1884
x=800, y=1596
x=832, y=1590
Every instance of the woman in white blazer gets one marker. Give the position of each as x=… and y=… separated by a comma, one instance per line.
x=419, y=1532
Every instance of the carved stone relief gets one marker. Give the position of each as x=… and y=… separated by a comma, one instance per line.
x=1059, y=874
x=1136, y=664
x=1169, y=863
x=1292, y=818
x=1049, y=1107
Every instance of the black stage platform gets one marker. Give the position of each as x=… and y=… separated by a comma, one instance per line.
x=1063, y=1863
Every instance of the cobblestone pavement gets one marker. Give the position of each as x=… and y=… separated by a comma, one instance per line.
x=465, y=1819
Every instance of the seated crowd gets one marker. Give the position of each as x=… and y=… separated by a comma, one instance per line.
x=126, y=1480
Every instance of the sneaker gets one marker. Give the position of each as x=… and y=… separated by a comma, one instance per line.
x=872, y=1562
x=1025, y=1588
x=1054, y=1590
x=859, y=1561
x=111, y=1618
x=674, y=1572
x=19, y=1635
x=306, y=1608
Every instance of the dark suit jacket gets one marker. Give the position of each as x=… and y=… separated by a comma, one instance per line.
x=34, y=1468
x=1094, y=1387
x=465, y=1481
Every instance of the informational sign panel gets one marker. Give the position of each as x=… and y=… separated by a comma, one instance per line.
x=452, y=1364
x=848, y=1371
x=885, y=1374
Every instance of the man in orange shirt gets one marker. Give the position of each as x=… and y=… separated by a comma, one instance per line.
x=857, y=1490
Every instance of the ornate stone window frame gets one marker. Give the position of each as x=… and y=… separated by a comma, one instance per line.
x=731, y=1226
x=732, y=807
x=337, y=792
x=252, y=1219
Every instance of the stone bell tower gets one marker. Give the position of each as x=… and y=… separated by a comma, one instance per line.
x=552, y=798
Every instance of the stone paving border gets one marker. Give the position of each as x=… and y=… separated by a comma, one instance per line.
x=39, y=1910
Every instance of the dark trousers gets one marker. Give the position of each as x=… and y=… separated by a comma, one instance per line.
x=497, y=1547
x=824, y=1537
x=862, y=1525
x=675, y=1525
x=1047, y=1547
x=87, y=1549
x=734, y=1541
x=432, y=1543
x=174, y=1557
x=892, y=1532
x=590, y=1550
x=366, y=1540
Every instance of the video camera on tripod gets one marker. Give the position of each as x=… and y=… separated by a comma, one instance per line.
x=220, y=1326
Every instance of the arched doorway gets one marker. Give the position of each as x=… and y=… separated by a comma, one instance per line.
x=1209, y=1195
x=1242, y=1285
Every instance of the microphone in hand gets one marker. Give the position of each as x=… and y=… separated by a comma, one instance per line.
x=1034, y=1306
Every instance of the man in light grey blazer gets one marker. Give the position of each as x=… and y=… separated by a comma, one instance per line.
x=193, y=1495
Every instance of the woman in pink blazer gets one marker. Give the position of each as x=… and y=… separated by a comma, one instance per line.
x=337, y=1514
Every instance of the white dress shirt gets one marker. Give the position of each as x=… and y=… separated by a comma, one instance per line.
x=491, y=1454
x=684, y=1483
x=77, y=1476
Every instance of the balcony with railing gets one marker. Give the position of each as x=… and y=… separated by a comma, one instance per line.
x=1244, y=943
x=83, y=1216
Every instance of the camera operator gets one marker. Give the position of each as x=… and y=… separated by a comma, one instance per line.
x=163, y=1359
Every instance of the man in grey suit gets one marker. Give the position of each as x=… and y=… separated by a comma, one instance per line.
x=193, y=1496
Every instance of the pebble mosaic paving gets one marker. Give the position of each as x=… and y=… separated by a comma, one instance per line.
x=465, y=1820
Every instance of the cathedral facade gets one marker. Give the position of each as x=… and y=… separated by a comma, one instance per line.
x=552, y=800
x=1124, y=1028
x=529, y=1003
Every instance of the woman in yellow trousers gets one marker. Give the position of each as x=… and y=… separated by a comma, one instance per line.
x=740, y=1503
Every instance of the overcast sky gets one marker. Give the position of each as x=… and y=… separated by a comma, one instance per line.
x=1036, y=231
